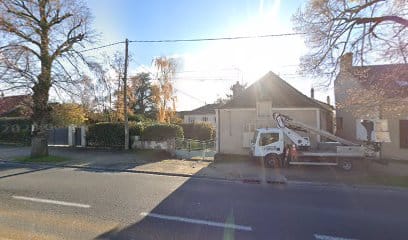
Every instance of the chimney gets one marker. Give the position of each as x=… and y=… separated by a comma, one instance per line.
x=328, y=100
x=237, y=89
x=312, y=93
x=346, y=62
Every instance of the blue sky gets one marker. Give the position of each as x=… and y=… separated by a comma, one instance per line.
x=207, y=69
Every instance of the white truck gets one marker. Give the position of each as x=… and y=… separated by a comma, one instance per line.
x=283, y=146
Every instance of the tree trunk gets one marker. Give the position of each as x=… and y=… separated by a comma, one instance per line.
x=39, y=146
x=41, y=115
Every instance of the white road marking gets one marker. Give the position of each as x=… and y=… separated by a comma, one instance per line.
x=327, y=237
x=198, y=221
x=71, y=204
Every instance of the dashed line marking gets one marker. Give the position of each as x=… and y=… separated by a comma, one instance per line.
x=327, y=237
x=197, y=221
x=40, y=200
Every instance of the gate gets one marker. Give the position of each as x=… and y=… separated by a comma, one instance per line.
x=78, y=139
x=58, y=136
x=195, y=149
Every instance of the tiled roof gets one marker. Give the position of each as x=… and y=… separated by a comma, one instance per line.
x=206, y=109
x=11, y=103
x=272, y=87
x=392, y=78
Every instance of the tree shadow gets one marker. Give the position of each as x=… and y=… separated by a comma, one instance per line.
x=190, y=212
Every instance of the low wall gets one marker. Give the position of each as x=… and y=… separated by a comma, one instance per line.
x=167, y=145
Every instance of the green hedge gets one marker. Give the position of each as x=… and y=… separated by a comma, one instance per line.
x=198, y=131
x=158, y=132
x=106, y=134
x=15, y=130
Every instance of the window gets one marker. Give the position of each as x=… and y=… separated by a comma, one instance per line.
x=191, y=119
x=268, y=138
x=403, y=127
x=339, y=123
x=204, y=119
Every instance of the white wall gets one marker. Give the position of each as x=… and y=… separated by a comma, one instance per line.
x=200, y=118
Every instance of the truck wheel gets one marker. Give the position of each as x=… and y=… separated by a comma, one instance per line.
x=271, y=161
x=346, y=165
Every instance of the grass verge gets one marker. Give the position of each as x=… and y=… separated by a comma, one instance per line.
x=47, y=159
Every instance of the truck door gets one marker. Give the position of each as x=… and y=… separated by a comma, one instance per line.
x=270, y=142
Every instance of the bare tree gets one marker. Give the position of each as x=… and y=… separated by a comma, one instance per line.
x=39, y=41
x=368, y=28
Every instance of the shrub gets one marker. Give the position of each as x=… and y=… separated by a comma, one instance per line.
x=108, y=134
x=136, y=128
x=15, y=130
x=159, y=131
x=198, y=131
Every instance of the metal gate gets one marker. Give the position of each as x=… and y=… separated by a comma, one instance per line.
x=58, y=136
x=77, y=137
x=195, y=149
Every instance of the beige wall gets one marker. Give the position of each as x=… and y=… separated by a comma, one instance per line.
x=198, y=118
x=390, y=150
x=230, y=127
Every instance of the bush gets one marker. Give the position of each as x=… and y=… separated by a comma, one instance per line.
x=136, y=128
x=15, y=130
x=158, y=132
x=198, y=131
x=108, y=134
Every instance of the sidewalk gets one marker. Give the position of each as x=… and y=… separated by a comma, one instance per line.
x=152, y=162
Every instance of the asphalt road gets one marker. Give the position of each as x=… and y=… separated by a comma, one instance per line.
x=55, y=203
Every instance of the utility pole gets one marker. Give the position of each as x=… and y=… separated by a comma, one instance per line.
x=125, y=94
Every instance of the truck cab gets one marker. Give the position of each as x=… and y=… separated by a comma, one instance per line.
x=267, y=141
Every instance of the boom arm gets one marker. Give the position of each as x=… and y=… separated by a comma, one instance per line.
x=284, y=121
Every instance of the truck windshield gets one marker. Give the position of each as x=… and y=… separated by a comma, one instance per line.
x=268, y=138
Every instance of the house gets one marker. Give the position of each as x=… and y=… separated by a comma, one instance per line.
x=386, y=89
x=253, y=108
x=204, y=114
x=15, y=106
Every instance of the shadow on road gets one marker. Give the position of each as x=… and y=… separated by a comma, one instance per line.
x=191, y=211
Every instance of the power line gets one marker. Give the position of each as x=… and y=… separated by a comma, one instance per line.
x=195, y=40
x=191, y=96
x=103, y=46
x=215, y=39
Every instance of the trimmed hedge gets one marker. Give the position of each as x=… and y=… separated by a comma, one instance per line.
x=106, y=134
x=159, y=131
x=198, y=131
x=15, y=130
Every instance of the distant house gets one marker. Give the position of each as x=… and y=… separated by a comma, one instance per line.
x=253, y=108
x=204, y=114
x=392, y=81
x=15, y=106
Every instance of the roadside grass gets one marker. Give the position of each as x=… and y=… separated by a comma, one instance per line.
x=47, y=159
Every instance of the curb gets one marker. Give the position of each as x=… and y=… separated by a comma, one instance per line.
x=342, y=185
x=65, y=165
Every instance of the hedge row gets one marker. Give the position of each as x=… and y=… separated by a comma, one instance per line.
x=108, y=134
x=198, y=131
x=112, y=134
x=158, y=132
x=15, y=130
